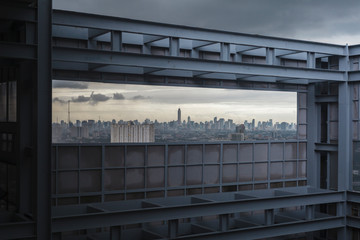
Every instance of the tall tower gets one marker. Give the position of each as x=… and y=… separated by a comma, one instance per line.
x=179, y=116
x=69, y=112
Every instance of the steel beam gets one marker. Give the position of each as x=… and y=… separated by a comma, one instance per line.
x=354, y=76
x=160, y=29
x=326, y=147
x=160, y=80
x=326, y=99
x=117, y=218
x=312, y=165
x=190, y=64
x=354, y=50
x=310, y=61
x=353, y=197
x=353, y=221
x=273, y=230
x=345, y=138
x=42, y=109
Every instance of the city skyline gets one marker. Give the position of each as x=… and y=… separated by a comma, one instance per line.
x=131, y=102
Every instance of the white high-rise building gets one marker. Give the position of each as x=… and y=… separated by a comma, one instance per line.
x=121, y=133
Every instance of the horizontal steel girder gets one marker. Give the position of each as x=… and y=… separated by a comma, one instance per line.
x=117, y=218
x=354, y=76
x=76, y=19
x=273, y=230
x=188, y=64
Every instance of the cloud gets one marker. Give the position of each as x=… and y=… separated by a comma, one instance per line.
x=69, y=84
x=61, y=101
x=80, y=98
x=118, y=96
x=95, y=98
x=139, y=97
x=305, y=19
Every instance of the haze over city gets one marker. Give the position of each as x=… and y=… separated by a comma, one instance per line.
x=138, y=102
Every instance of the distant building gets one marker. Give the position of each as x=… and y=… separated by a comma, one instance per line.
x=56, y=133
x=141, y=133
x=179, y=116
x=240, y=133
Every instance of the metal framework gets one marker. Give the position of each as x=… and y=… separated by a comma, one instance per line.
x=86, y=192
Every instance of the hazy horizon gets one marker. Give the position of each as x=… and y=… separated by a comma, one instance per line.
x=138, y=102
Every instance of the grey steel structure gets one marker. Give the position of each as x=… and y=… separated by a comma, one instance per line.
x=299, y=189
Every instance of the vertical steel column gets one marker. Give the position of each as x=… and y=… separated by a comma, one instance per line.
x=310, y=212
x=24, y=118
x=313, y=163
x=173, y=228
x=269, y=217
x=238, y=57
x=270, y=56
x=310, y=63
x=43, y=121
x=344, y=156
x=195, y=52
x=345, y=140
x=345, y=121
x=174, y=48
x=225, y=51
x=224, y=222
x=116, y=41
x=115, y=233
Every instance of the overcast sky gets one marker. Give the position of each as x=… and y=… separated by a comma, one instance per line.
x=138, y=102
x=334, y=21
x=331, y=21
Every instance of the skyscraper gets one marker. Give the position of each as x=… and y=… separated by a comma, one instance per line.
x=179, y=116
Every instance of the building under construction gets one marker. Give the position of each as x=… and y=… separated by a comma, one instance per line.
x=290, y=189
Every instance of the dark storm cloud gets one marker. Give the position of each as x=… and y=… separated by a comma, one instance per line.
x=304, y=19
x=58, y=100
x=68, y=84
x=80, y=98
x=118, y=96
x=96, y=98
